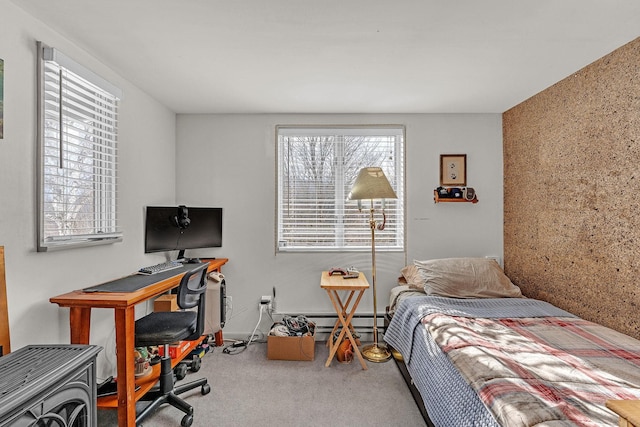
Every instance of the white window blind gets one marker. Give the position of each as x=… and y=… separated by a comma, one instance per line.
x=78, y=132
x=316, y=169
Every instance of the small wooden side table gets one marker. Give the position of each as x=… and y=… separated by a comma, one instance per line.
x=629, y=411
x=345, y=310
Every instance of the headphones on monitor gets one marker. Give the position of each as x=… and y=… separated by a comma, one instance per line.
x=182, y=219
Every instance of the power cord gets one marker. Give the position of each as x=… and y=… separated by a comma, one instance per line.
x=235, y=348
x=240, y=346
x=253, y=334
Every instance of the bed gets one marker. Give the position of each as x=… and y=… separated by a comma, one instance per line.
x=478, y=353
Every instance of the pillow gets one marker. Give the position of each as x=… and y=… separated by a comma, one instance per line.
x=412, y=277
x=466, y=278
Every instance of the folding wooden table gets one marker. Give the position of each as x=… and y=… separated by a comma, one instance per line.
x=345, y=310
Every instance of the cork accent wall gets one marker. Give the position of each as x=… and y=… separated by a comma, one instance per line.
x=572, y=192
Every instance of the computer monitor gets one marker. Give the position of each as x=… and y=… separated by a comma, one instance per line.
x=171, y=228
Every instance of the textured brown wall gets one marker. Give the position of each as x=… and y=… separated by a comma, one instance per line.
x=572, y=192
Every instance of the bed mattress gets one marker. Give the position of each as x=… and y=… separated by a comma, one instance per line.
x=451, y=398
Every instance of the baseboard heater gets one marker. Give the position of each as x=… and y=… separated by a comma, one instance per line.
x=331, y=315
x=327, y=329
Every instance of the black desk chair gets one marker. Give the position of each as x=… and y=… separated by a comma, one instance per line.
x=164, y=328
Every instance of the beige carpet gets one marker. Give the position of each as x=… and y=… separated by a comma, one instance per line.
x=247, y=389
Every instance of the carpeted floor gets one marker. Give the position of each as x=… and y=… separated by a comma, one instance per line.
x=247, y=389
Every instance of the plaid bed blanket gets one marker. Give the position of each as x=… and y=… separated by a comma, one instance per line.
x=411, y=311
x=541, y=371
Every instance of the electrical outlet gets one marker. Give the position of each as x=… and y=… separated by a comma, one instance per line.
x=265, y=299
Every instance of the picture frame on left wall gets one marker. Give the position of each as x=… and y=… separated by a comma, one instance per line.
x=1, y=98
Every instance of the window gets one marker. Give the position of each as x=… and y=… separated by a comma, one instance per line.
x=316, y=168
x=78, y=130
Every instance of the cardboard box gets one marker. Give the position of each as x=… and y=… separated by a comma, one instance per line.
x=175, y=349
x=166, y=303
x=291, y=348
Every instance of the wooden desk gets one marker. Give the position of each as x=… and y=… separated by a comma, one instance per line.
x=629, y=411
x=80, y=304
x=333, y=284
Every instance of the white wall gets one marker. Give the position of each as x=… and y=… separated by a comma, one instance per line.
x=147, y=176
x=229, y=161
x=221, y=160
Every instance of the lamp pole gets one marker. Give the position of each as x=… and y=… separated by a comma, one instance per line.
x=374, y=352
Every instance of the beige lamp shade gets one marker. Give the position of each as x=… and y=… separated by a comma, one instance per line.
x=371, y=183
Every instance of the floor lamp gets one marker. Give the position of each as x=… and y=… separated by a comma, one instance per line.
x=371, y=184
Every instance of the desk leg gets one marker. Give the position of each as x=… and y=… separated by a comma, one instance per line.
x=79, y=322
x=219, y=339
x=125, y=341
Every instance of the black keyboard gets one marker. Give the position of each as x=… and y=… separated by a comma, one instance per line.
x=159, y=268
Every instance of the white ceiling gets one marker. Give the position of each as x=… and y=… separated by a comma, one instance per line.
x=343, y=56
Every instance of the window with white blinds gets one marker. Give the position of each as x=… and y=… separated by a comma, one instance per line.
x=316, y=168
x=78, y=156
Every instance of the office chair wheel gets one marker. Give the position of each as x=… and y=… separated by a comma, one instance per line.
x=195, y=364
x=180, y=371
x=206, y=388
x=187, y=420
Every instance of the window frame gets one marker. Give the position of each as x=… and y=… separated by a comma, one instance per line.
x=340, y=190
x=102, y=144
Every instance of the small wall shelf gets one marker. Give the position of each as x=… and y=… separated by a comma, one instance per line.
x=438, y=199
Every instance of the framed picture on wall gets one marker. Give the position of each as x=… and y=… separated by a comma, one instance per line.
x=453, y=170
